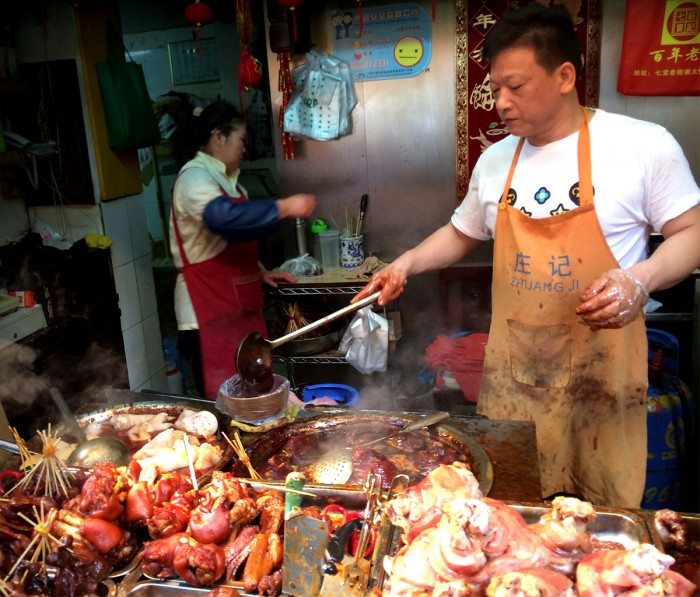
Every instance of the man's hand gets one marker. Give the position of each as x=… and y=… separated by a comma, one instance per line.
x=390, y=280
x=271, y=278
x=612, y=301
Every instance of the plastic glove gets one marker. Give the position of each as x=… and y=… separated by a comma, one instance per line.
x=612, y=301
x=390, y=281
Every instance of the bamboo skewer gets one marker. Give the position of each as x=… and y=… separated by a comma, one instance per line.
x=238, y=448
x=277, y=487
x=190, y=464
x=41, y=541
x=24, y=453
x=50, y=472
x=295, y=317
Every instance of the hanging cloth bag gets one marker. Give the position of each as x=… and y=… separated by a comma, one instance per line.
x=129, y=116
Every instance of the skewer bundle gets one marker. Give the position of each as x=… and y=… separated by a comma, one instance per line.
x=242, y=455
x=41, y=543
x=50, y=474
x=295, y=318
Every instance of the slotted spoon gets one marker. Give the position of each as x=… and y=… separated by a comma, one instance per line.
x=335, y=467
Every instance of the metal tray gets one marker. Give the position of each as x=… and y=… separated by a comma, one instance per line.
x=347, y=497
x=156, y=406
x=621, y=526
x=310, y=346
x=168, y=587
x=692, y=525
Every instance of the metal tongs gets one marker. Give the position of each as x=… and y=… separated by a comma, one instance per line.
x=385, y=529
x=355, y=572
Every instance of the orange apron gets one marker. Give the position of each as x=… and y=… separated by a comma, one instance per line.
x=585, y=391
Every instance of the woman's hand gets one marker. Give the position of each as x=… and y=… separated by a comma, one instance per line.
x=271, y=278
x=391, y=281
x=301, y=205
x=612, y=301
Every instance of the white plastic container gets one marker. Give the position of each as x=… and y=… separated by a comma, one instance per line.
x=330, y=249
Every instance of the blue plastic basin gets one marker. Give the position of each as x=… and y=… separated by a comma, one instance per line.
x=342, y=394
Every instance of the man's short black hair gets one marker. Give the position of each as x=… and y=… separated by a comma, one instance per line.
x=548, y=31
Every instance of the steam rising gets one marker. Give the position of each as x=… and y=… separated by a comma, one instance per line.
x=18, y=381
x=83, y=379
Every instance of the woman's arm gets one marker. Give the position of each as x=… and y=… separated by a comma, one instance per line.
x=248, y=220
x=243, y=221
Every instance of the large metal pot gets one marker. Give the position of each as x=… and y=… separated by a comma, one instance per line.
x=311, y=346
x=261, y=447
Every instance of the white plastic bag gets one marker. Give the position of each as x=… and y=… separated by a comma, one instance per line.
x=304, y=265
x=366, y=341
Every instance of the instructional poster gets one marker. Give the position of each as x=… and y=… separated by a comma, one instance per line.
x=392, y=41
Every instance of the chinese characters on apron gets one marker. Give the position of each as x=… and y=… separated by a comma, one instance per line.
x=585, y=390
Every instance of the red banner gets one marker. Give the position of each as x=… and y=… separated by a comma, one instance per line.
x=661, y=48
x=478, y=123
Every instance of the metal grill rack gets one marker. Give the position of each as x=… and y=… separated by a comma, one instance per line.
x=296, y=290
x=330, y=285
x=317, y=290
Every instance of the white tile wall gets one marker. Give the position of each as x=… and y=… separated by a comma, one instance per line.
x=151, y=335
x=146, y=287
x=136, y=355
x=138, y=227
x=157, y=383
x=125, y=222
x=116, y=222
x=127, y=288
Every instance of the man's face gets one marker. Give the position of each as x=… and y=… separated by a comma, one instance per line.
x=528, y=97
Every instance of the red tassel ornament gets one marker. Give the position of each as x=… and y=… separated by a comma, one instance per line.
x=292, y=5
x=198, y=13
x=285, y=87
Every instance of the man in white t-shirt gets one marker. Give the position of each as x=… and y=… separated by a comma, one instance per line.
x=570, y=198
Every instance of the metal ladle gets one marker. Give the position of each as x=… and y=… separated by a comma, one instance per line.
x=89, y=452
x=254, y=354
x=335, y=467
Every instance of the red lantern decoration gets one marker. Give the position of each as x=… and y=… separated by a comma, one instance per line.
x=249, y=75
x=292, y=5
x=249, y=71
x=198, y=13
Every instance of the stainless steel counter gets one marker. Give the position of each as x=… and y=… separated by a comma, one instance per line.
x=512, y=448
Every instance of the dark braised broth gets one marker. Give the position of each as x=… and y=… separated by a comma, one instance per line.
x=414, y=453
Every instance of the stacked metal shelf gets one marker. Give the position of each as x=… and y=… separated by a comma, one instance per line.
x=325, y=288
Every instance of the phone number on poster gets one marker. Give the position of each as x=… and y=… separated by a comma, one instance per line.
x=369, y=64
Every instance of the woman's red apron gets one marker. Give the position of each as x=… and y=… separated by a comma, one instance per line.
x=226, y=293
x=585, y=391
